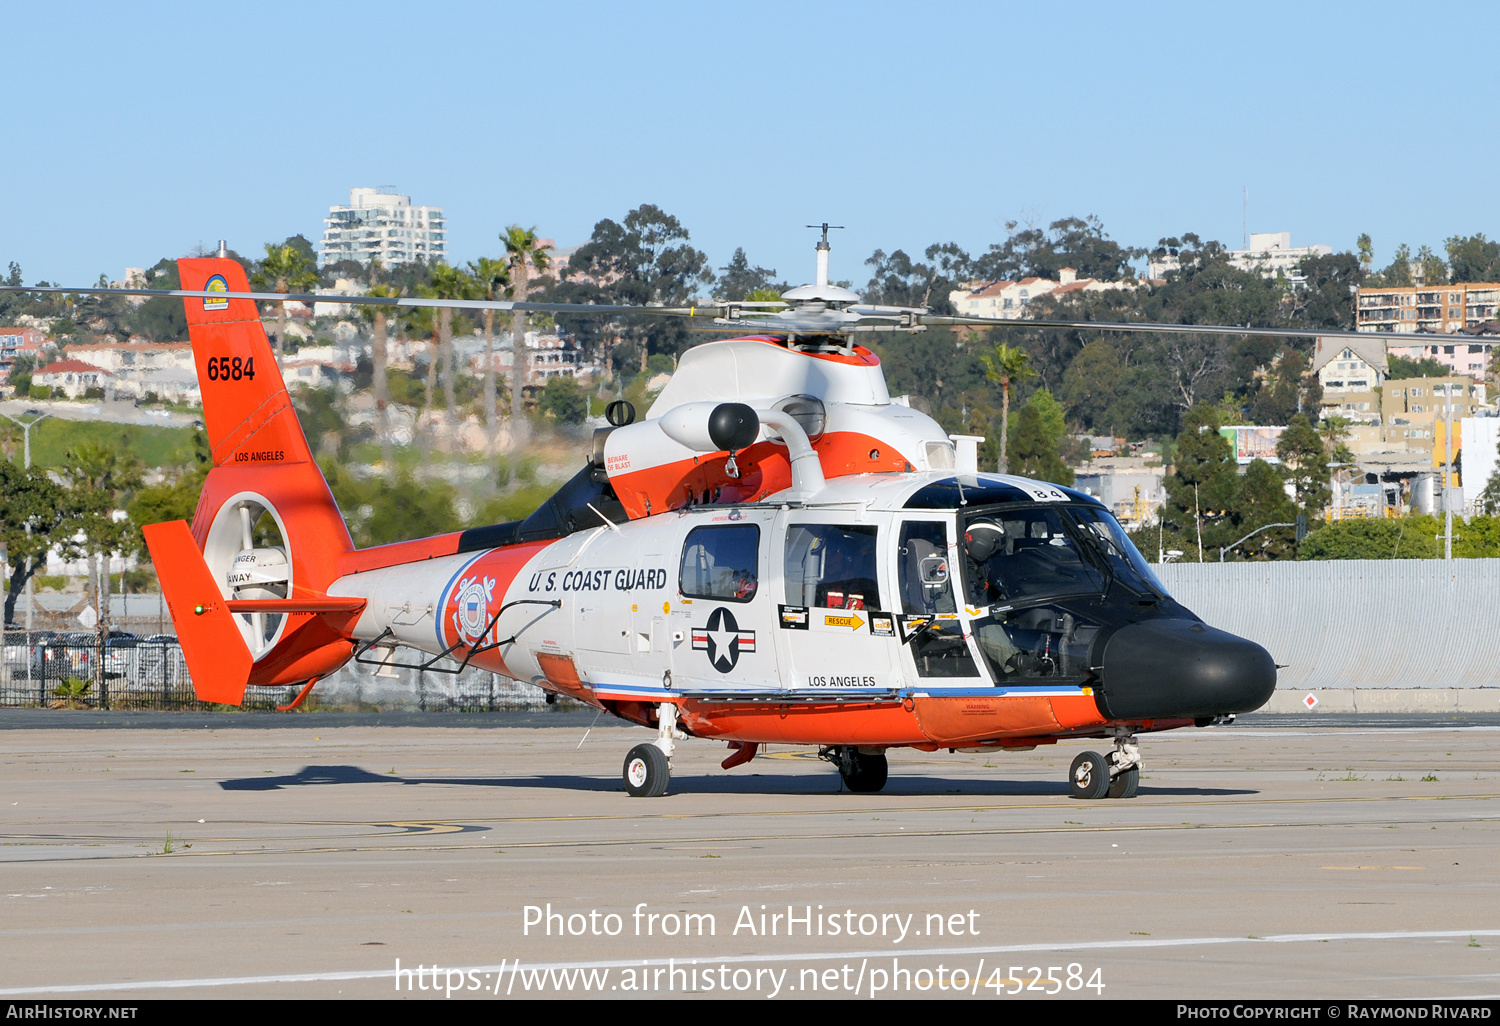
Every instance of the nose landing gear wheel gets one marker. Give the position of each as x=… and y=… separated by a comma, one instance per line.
x=1125, y=785
x=1088, y=778
x=647, y=772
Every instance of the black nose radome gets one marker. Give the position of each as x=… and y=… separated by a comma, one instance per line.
x=1169, y=669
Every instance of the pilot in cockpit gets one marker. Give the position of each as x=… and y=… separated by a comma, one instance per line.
x=984, y=539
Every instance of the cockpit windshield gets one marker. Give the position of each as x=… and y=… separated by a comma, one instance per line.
x=1016, y=554
x=1020, y=554
x=1039, y=581
x=1125, y=560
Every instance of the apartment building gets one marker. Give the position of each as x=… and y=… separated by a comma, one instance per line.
x=384, y=226
x=1411, y=408
x=1466, y=355
x=1435, y=309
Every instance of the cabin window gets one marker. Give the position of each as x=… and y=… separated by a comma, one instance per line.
x=831, y=566
x=720, y=563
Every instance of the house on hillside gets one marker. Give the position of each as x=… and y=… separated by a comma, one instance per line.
x=1351, y=372
x=16, y=342
x=71, y=377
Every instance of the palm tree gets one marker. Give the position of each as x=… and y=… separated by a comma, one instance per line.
x=1008, y=365
x=378, y=355
x=494, y=278
x=523, y=252
x=285, y=268
x=450, y=283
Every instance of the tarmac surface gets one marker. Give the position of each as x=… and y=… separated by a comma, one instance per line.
x=248, y=855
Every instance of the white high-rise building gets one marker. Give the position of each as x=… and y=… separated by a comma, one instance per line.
x=385, y=226
x=1270, y=253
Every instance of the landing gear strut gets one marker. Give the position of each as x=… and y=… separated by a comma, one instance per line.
x=864, y=770
x=1124, y=767
x=1119, y=776
x=648, y=767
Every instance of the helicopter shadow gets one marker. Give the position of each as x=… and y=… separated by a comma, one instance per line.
x=769, y=784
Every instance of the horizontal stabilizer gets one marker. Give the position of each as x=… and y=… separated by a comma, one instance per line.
x=218, y=660
x=296, y=605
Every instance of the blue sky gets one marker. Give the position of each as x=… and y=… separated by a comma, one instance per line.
x=137, y=131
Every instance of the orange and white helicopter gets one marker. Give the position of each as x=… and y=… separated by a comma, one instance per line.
x=777, y=553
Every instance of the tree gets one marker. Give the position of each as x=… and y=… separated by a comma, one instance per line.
x=379, y=354
x=1203, y=487
x=1366, y=251
x=897, y=280
x=644, y=260
x=1306, y=462
x=1431, y=267
x=493, y=279
x=35, y=514
x=1284, y=389
x=1327, y=298
x=1398, y=274
x=1412, y=537
x=173, y=499
x=523, y=254
x=1007, y=365
x=1038, y=438
x=564, y=399
x=1079, y=243
x=286, y=268
x=738, y=279
x=1096, y=388
x=449, y=283
x=100, y=476
x=1262, y=500
x=1473, y=258
x=1399, y=368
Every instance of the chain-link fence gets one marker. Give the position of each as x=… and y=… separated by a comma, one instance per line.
x=61, y=670
x=52, y=669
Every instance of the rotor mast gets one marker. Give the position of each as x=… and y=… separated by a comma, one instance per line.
x=823, y=248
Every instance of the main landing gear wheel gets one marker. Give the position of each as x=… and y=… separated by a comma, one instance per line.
x=863, y=772
x=1088, y=778
x=647, y=771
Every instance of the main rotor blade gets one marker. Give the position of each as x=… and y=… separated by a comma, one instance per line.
x=908, y=318
x=1176, y=329
x=396, y=301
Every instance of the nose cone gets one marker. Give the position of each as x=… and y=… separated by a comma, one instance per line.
x=1169, y=669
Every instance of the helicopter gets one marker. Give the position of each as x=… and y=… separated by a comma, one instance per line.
x=778, y=552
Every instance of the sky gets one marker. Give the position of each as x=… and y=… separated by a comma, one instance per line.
x=137, y=131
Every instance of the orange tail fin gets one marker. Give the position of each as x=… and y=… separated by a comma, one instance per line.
x=274, y=591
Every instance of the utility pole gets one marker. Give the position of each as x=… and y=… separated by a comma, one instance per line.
x=37, y=416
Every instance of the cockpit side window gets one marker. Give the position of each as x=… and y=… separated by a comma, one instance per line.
x=720, y=563
x=930, y=626
x=926, y=580
x=831, y=566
